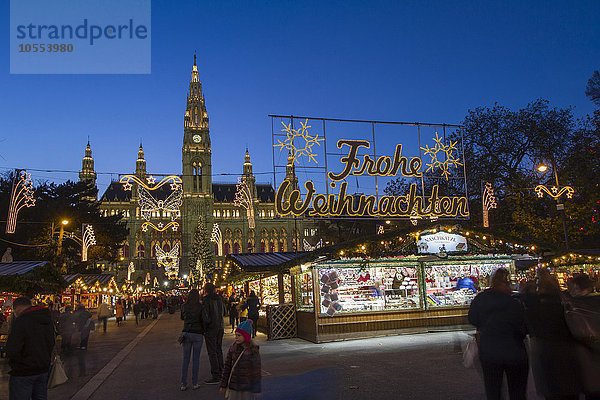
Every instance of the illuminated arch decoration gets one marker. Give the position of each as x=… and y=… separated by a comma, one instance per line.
x=299, y=135
x=20, y=196
x=554, y=191
x=489, y=202
x=217, y=237
x=160, y=227
x=149, y=205
x=442, y=156
x=243, y=198
x=88, y=239
x=169, y=260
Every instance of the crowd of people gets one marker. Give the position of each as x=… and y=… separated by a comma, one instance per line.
x=541, y=328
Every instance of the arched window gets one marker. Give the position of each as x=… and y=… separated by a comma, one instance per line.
x=236, y=248
x=250, y=248
x=272, y=246
x=125, y=250
x=141, y=250
x=216, y=249
x=197, y=175
x=263, y=246
x=226, y=248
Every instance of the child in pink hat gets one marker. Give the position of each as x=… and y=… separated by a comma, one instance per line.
x=241, y=379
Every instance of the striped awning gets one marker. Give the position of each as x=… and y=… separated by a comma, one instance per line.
x=19, y=267
x=89, y=279
x=263, y=262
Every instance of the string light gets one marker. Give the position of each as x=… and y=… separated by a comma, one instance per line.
x=216, y=237
x=20, y=196
x=88, y=239
x=554, y=191
x=489, y=202
x=243, y=198
x=169, y=260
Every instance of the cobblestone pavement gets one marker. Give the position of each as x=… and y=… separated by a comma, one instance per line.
x=423, y=366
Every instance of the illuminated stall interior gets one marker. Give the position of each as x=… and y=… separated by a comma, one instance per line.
x=395, y=283
x=90, y=290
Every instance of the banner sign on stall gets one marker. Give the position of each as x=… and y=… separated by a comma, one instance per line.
x=441, y=242
x=433, y=177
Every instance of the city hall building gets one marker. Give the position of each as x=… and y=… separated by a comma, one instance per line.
x=203, y=199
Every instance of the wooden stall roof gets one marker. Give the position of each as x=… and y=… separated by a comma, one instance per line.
x=263, y=262
x=89, y=279
x=19, y=267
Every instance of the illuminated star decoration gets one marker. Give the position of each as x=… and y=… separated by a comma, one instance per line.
x=299, y=135
x=169, y=260
x=243, y=198
x=215, y=237
x=21, y=196
x=445, y=150
x=554, y=192
x=149, y=205
x=489, y=202
x=88, y=239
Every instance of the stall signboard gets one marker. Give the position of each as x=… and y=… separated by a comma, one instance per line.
x=433, y=178
x=441, y=242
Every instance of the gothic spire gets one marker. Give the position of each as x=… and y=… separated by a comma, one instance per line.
x=87, y=172
x=196, y=116
x=140, y=163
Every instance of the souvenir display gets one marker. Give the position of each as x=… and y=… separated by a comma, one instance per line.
x=304, y=292
x=368, y=289
x=457, y=285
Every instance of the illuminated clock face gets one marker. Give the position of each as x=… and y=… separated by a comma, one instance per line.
x=196, y=138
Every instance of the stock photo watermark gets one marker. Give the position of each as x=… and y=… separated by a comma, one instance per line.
x=80, y=37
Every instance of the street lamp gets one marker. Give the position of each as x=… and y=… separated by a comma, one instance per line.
x=61, y=234
x=556, y=193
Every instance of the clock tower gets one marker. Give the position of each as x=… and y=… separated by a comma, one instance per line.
x=197, y=165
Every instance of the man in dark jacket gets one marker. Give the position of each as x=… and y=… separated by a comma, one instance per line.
x=29, y=349
x=213, y=311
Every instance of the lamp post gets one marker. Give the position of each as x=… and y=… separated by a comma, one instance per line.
x=61, y=234
x=556, y=193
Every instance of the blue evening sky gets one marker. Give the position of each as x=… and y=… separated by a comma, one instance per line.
x=400, y=60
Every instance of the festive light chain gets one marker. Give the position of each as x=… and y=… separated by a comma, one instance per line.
x=160, y=227
x=243, y=198
x=130, y=270
x=489, y=202
x=308, y=247
x=445, y=149
x=302, y=133
x=169, y=260
x=216, y=237
x=88, y=239
x=554, y=192
x=21, y=196
x=150, y=205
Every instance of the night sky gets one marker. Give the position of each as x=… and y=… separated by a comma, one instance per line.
x=401, y=60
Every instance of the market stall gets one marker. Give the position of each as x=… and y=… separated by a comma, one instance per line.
x=90, y=290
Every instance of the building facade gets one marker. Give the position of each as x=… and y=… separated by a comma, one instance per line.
x=234, y=228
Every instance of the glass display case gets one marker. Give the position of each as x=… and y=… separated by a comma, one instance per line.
x=456, y=284
x=371, y=288
x=268, y=292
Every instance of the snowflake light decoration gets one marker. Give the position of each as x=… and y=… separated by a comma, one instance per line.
x=299, y=135
x=445, y=151
x=21, y=196
x=243, y=198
